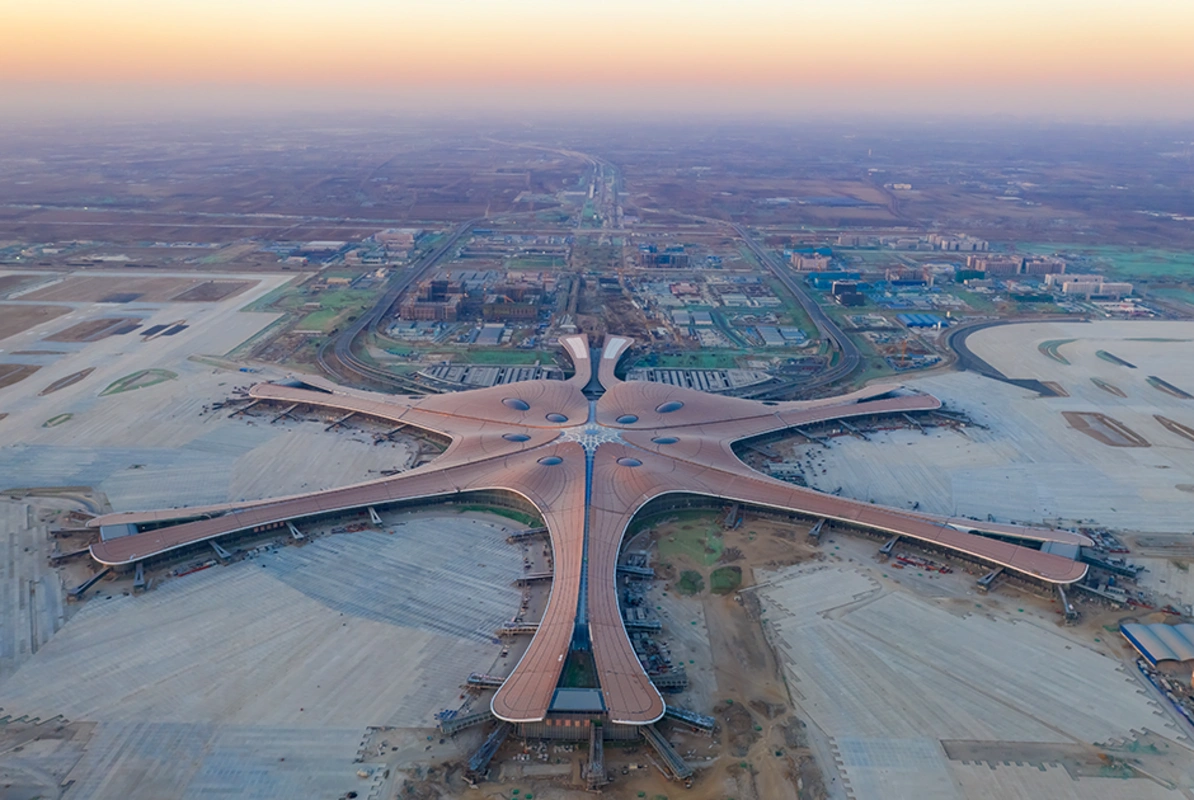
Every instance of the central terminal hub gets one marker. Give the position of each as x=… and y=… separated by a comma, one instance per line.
x=590, y=436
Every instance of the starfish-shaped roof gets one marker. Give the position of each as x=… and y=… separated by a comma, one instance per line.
x=589, y=466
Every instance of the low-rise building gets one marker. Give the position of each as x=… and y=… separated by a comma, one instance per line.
x=810, y=262
x=959, y=242
x=996, y=266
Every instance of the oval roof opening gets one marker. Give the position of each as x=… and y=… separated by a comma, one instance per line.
x=627, y=419
x=516, y=437
x=556, y=416
x=627, y=461
x=516, y=403
x=551, y=461
x=665, y=440
x=669, y=406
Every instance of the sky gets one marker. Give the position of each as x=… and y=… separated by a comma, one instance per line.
x=1094, y=57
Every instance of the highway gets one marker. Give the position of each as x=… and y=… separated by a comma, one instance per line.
x=336, y=356
x=851, y=358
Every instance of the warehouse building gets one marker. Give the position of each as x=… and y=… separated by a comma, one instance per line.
x=1166, y=647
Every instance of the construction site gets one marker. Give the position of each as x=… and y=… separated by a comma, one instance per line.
x=552, y=583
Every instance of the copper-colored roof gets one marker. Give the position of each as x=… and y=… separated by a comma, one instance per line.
x=647, y=440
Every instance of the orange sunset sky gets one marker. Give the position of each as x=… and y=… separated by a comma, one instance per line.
x=977, y=53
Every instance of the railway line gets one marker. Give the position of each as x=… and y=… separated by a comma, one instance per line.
x=336, y=356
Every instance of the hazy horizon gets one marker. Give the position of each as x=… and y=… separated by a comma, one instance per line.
x=1059, y=59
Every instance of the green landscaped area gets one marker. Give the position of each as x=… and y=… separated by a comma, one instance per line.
x=724, y=580
x=588, y=213
x=335, y=306
x=709, y=358
x=522, y=517
x=873, y=368
x=1125, y=262
x=690, y=582
x=697, y=538
x=1174, y=294
x=504, y=357
x=139, y=380
x=977, y=301
x=267, y=301
x=579, y=671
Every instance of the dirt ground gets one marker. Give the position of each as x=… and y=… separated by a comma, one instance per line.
x=212, y=291
x=17, y=318
x=69, y=380
x=111, y=289
x=10, y=282
x=15, y=373
x=93, y=330
x=1103, y=428
x=763, y=753
x=760, y=749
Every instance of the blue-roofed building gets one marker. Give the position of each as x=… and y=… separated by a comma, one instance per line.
x=922, y=320
x=1169, y=646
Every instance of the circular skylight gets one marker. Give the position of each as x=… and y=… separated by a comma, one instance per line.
x=516, y=403
x=627, y=419
x=665, y=440
x=627, y=461
x=556, y=416
x=551, y=461
x=516, y=437
x=669, y=406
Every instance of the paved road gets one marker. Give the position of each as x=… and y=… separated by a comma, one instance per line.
x=851, y=358
x=336, y=356
x=968, y=360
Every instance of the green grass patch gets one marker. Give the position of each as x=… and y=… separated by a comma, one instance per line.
x=977, y=301
x=55, y=421
x=139, y=380
x=1125, y=262
x=699, y=541
x=504, y=356
x=334, y=306
x=1174, y=294
x=710, y=358
x=724, y=580
x=690, y=582
x=579, y=671
x=641, y=522
x=267, y=302
x=522, y=517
